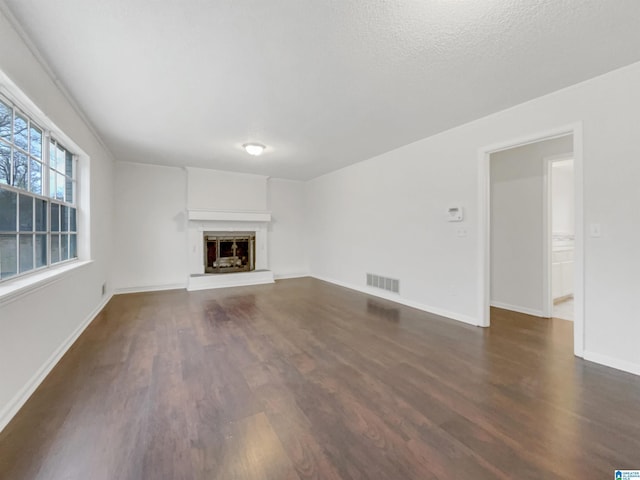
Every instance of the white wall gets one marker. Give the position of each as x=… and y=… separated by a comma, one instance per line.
x=517, y=229
x=391, y=209
x=36, y=328
x=150, y=231
x=215, y=189
x=287, y=247
x=562, y=194
x=154, y=239
x=387, y=216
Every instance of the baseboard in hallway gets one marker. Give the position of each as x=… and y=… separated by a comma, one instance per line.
x=518, y=309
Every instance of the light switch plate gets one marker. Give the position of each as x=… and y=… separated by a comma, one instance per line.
x=454, y=213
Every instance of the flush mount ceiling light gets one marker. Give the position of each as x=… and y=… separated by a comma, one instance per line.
x=254, y=149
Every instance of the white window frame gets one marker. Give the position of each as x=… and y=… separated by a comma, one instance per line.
x=21, y=282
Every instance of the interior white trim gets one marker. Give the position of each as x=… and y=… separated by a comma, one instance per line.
x=6, y=11
x=394, y=297
x=228, y=216
x=150, y=288
x=579, y=293
x=10, y=90
x=21, y=397
x=180, y=286
x=515, y=308
x=484, y=230
x=616, y=363
x=15, y=289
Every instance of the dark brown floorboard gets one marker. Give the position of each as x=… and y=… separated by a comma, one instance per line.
x=306, y=380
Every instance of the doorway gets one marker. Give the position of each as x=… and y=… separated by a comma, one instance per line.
x=538, y=299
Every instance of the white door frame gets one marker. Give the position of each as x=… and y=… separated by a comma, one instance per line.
x=547, y=231
x=484, y=230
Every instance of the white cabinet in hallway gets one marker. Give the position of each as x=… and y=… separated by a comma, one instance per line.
x=562, y=272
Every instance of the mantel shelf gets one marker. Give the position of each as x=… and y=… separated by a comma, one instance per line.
x=229, y=216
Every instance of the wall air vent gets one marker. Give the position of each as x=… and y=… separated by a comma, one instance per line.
x=377, y=281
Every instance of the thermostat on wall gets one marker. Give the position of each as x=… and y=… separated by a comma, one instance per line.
x=454, y=213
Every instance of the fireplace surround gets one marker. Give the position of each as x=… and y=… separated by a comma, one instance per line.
x=216, y=266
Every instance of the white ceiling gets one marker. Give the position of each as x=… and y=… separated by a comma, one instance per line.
x=322, y=83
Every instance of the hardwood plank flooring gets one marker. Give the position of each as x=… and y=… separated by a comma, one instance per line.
x=307, y=380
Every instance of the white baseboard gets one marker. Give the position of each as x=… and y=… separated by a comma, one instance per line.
x=180, y=286
x=516, y=308
x=150, y=288
x=605, y=360
x=16, y=403
x=403, y=301
x=616, y=363
x=285, y=276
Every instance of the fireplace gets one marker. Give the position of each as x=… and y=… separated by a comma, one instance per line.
x=228, y=252
x=212, y=235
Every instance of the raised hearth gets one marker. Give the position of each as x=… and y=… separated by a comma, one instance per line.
x=227, y=249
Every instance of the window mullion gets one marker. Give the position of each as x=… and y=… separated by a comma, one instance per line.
x=18, y=272
x=17, y=212
x=48, y=233
x=46, y=162
x=28, y=154
x=13, y=148
x=34, y=204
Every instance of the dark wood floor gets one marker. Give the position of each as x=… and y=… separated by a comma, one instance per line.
x=303, y=379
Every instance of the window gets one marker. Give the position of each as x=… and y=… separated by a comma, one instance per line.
x=38, y=214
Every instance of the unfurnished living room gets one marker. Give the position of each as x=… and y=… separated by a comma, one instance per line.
x=331, y=239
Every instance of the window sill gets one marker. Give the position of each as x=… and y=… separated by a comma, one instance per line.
x=15, y=289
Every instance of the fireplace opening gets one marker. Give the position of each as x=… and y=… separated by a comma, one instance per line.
x=227, y=252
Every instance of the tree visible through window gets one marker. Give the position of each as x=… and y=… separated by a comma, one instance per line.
x=38, y=215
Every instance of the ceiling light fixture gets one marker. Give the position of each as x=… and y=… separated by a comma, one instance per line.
x=254, y=149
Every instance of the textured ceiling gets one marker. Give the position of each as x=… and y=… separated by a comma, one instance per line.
x=323, y=83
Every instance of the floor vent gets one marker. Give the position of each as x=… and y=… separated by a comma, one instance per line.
x=384, y=283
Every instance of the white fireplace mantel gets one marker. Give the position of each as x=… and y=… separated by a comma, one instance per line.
x=202, y=221
x=228, y=216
